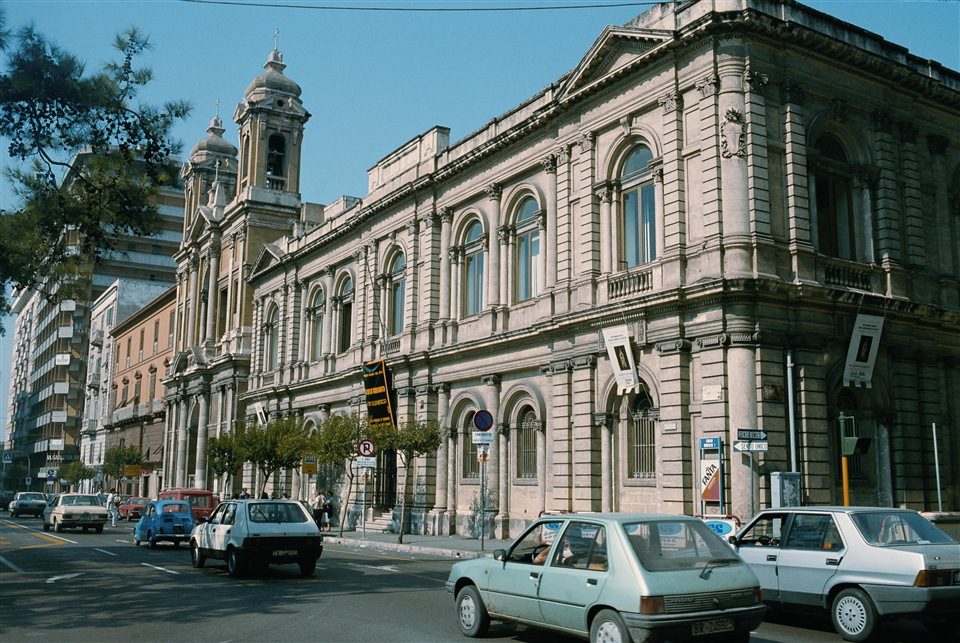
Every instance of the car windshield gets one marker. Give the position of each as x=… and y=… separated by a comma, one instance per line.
x=198, y=501
x=31, y=496
x=885, y=528
x=175, y=509
x=674, y=545
x=138, y=501
x=76, y=501
x=276, y=512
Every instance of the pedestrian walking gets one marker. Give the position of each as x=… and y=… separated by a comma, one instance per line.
x=317, y=506
x=328, y=509
x=112, y=507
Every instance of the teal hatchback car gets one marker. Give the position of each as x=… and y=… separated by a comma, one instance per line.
x=613, y=578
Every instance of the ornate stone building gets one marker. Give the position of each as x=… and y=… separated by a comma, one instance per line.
x=733, y=182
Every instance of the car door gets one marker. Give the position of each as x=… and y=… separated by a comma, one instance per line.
x=219, y=532
x=575, y=576
x=514, y=583
x=759, y=546
x=809, y=557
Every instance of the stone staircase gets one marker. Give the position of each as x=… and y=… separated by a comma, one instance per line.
x=381, y=522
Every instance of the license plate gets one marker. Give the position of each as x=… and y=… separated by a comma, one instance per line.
x=712, y=627
x=85, y=517
x=178, y=529
x=284, y=552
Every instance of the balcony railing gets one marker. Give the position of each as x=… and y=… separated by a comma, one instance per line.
x=847, y=275
x=96, y=338
x=630, y=284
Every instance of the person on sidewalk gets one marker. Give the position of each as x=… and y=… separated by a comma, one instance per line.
x=112, y=507
x=318, y=501
x=328, y=510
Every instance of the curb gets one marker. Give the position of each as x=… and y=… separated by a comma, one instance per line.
x=446, y=552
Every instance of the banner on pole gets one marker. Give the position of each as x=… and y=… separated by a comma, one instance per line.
x=617, y=340
x=862, y=353
x=376, y=384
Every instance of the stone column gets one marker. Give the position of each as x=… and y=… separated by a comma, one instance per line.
x=492, y=399
x=200, y=480
x=604, y=421
x=550, y=249
x=510, y=265
x=212, y=287
x=182, y=443
x=443, y=453
x=501, y=243
x=503, y=481
x=585, y=456
x=742, y=404
x=446, y=219
x=541, y=268
x=455, y=255
x=735, y=206
x=608, y=253
x=494, y=192
x=541, y=467
x=178, y=317
x=228, y=313
x=328, y=314
x=239, y=296
x=194, y=299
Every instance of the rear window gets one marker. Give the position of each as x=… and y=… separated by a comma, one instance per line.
x=674, y=545
x=78, y=501
x=197, y=501
x=276, y=512
x=32, y=496
x=174, y=509
x=886, y=528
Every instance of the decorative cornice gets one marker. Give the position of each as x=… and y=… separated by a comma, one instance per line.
x=491, y=379
x=549, y=164
x=584, y=361
x=671, y=102
x=754, y=81
x=675, y=346
x=446, y=215
x=494, y=191
x=708, y=86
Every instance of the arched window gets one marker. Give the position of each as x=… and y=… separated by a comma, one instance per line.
x=638, y=226
x=345, y=334
x=642, y=438
x=276, y=161
x=271, y=340
x=473, y=261
x=528, y=250
x=471, y=468
x=527, y=444
x=836, y=222
x=398, y=286
x=317, y=311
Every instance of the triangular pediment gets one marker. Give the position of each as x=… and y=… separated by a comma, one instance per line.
x=270, y=255
x=618, y=51
x=202, y=218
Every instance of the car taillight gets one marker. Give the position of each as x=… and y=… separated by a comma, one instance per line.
x=933, y=578
x=652, y=605
x=758, y=594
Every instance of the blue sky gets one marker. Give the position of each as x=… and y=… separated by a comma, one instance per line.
x=372, y=79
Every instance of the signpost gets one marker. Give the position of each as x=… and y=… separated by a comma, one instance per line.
x=483, y=420
x=366, y=448
x=751, y=441
x=366, y=462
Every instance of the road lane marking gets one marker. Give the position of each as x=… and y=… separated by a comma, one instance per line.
x=383, y=568
x=40, y=533
x=169, y=571
x=10, y=565
x=104, y=551
x=121, y=540
x=64, y=577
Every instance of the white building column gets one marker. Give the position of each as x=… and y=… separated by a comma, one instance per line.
x=492, y=395
x=446, y=220
x=492, y=284
x=443, y=453
x=181, y=463
x=190, y=339
x=605, y=420
x=200, y=479
x=228, y=313
x=550, y=246
x=607, y=253
x=542, y=466
x=742, y=378
x=325, y=338
x=213, y=294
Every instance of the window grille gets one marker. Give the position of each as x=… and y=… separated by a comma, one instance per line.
x=527, y=446
x=642, y=440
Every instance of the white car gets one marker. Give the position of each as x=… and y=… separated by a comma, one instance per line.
x=75, y=510
x=257, y=533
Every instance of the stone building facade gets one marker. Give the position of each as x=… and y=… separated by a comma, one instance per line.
x=732, y=181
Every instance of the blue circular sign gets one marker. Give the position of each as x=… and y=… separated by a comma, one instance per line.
x=483, y=420
x=721, y=528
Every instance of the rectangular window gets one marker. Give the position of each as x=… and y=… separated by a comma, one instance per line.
x=109, y=317
x=153, y=386
x=117, y=360
x=527, y=450
x=129, y=349
x=140, y=358
x=156, y=250
x=156, y=336
x=123, y=398
x=173, y=321
x=136, y=392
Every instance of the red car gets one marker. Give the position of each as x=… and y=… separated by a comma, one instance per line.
x=131, y=508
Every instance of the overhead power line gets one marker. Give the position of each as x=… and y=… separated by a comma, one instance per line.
x=284, y=5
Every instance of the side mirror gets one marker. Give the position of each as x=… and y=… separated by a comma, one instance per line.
x=733, y=541
x=499, y=554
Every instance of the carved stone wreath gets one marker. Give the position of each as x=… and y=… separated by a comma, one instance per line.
x=733, y=134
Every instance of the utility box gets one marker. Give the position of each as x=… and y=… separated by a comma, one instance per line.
x=784, y=489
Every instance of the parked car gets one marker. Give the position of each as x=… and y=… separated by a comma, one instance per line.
x=613, y=577
x=28, y=502
x=6, y=497
x=863, y=564
x=131, y=508
x=201, y=501
x=164, y=520
x=75, y=510
x=254, y=532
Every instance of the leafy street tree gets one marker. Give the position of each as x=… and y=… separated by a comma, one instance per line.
x=75, y=472
x=224, y=454
x=335, y=442
x=69, y=215
x=117, y=457
x=14, y=476
x=279, y=444
x=413, y=439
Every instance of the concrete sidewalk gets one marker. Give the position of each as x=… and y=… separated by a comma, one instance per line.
x=456, y=547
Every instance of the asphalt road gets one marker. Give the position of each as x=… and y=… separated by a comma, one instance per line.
x=77, y=587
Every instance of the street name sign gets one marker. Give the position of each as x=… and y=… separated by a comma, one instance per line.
x=482, y=437
x=366, y=462
x=751, y=435
x=744, y=447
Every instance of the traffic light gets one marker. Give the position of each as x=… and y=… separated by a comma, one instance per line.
x=855, y=446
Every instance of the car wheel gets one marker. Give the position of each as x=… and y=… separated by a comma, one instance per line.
x=86, y=530
x=196, y=557
x=307, y=567
x=608, y=627
x=152, y=540
x=472, y=616
x=99, y=529
x=854, y=615
x=13, y=514
x=56, y=526
x=46, y=527
x=129, y=517
x=233, y=564
x=136, y=541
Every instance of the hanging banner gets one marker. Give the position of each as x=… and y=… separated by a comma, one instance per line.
x=376, y=384
x=862, y=354
x=617, y=340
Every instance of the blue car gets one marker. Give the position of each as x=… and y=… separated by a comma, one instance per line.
x=169, y=520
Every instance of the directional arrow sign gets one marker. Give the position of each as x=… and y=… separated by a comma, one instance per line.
x=751, y=435
x=742, y=447
x=759, y=446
